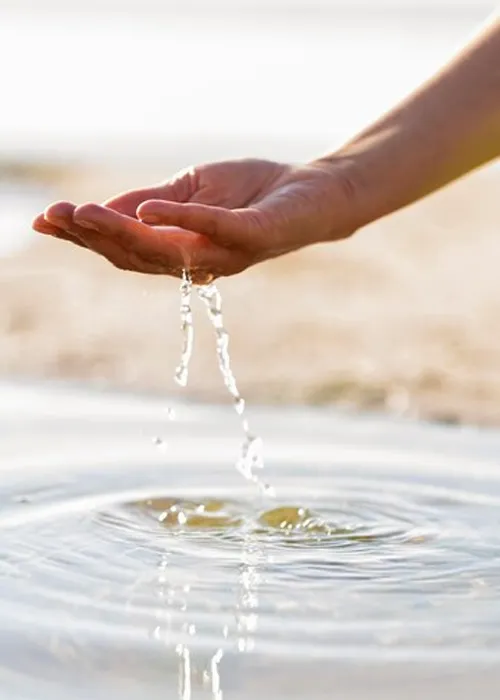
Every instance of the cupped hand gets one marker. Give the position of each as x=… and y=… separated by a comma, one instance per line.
x=213, y=220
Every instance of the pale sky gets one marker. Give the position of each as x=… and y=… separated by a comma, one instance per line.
x=74, y=80
x=210, y=5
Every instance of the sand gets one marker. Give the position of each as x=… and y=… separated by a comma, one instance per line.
x=404, y=317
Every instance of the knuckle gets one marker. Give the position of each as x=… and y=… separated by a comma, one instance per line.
x=211, y=225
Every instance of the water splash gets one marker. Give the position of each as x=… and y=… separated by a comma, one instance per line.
x=251, y=456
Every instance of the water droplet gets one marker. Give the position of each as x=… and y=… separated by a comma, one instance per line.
x=160, y=443
x=22, y=499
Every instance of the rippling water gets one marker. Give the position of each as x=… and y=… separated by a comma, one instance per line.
x=128, y=571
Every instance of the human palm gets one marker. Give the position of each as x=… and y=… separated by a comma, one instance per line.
x=214, y=220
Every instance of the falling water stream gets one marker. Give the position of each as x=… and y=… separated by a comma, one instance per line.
x=251, y=454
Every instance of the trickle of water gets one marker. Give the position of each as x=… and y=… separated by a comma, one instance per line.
x=251, y=456
x=187, y=329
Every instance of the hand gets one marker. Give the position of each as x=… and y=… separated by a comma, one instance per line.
x=212, y=220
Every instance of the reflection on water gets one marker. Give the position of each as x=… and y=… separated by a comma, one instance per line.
x=126, y=572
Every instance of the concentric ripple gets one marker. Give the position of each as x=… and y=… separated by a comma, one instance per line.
x=362, y=554
x=356, y=567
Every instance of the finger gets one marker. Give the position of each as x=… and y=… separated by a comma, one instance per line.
x=226, y=227
x=180, y=188
x=176, y=254
x=60, y=214
x=127, y=202
x=97, y=236
x=111, y=223
x=132, y=244
x=41, y=225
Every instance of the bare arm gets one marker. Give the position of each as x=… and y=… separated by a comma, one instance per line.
x=220, y=218
x=447, y=128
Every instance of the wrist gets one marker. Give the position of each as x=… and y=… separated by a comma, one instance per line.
x=385, y=169
x=358, y=199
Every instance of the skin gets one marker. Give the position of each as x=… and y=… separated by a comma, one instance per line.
x=218, y=219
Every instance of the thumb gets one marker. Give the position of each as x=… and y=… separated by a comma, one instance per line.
x=223, y=226
x=178, y=189
x=127, y=202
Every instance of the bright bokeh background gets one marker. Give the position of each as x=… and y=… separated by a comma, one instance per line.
x=102, y=94
x=80, y=77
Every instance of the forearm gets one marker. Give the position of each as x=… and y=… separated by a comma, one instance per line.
x=447, y=128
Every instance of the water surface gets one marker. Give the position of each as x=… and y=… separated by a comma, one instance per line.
x=131, y=571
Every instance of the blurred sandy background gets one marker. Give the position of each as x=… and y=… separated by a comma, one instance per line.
x=404, y=317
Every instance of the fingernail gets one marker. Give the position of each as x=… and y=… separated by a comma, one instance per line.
x=86, y=224
x=150, y=219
